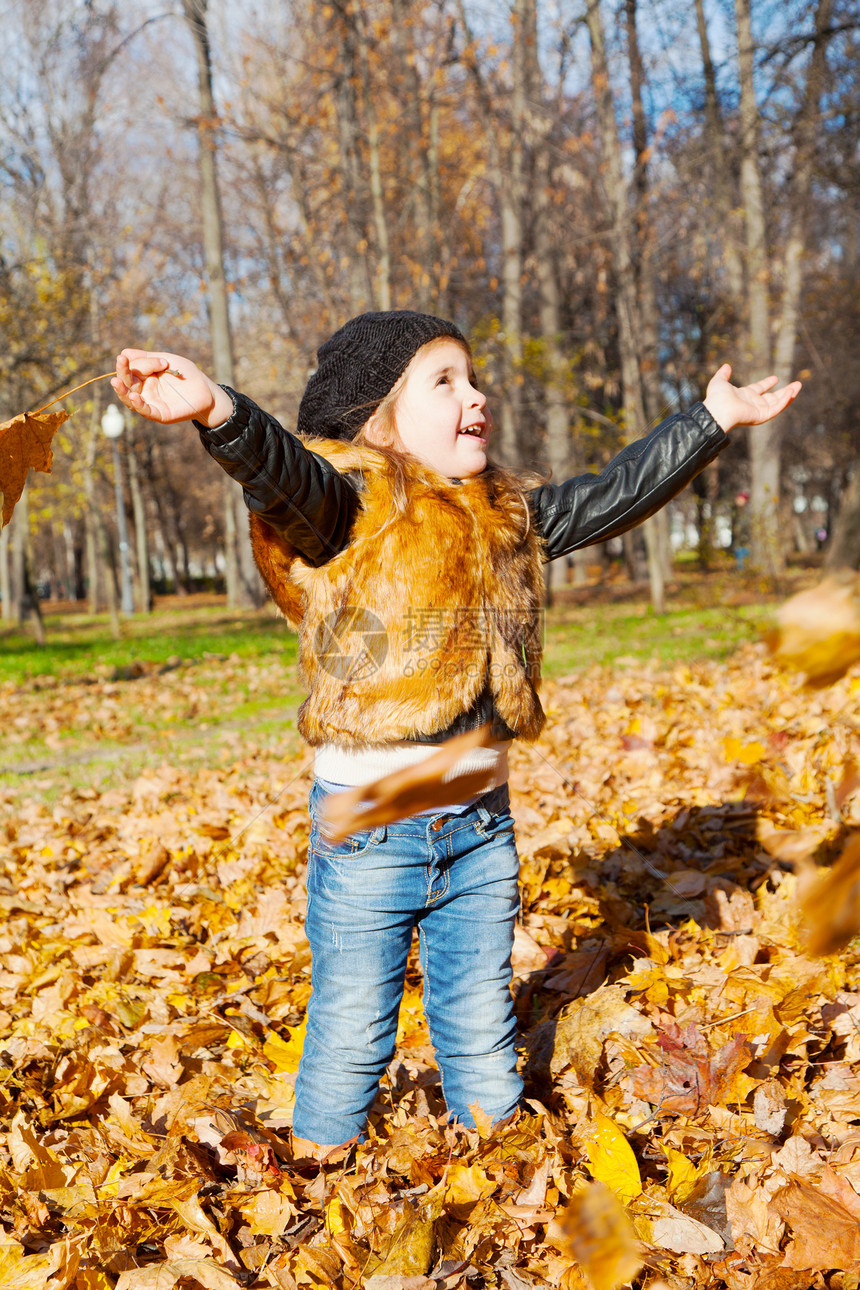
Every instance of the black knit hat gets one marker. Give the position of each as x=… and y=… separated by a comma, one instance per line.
x=359, y=364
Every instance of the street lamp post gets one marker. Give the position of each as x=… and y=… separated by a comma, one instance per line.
x=113, y=424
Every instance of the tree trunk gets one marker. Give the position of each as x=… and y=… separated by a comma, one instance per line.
x=558, y=439
x=414, y=95
x=844, y=552
x=5, y=577
x=765, y=441
x=627, y=302
x=243, y=584
x=144, y=596
x=382, y=275
x=24, y=594
x=649, y=328
x=19, y=537
x=101, y=574
x=804, y=157
x=721, y=185
x=506, y=173
x=354, y=196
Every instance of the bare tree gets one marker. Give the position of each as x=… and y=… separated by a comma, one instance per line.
x=627, y=302
x=766, y=441
x=243, y=583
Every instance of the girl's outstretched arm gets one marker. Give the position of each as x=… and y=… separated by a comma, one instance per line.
x=169, y=388
x=748, y=405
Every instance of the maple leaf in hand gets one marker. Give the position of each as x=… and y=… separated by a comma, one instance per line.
x=25, y=442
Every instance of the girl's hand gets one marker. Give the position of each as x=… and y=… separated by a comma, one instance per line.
x=749, y=405
x=169, y=388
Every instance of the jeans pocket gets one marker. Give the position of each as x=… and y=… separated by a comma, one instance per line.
x=350, y=848
x=355, y=845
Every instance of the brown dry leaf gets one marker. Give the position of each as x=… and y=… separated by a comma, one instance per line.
x=770, y=1107
x=826, y=1236
x=690, y=1078
x=382, y=1281
x=432, y=783
x=409, y=1250
x=676, y=1231
x=595, y=1230
x=585, y=1025
x=164, y=1276
x=831, y=909
x=25, y=443
x=255, y=1160
x=818, y=631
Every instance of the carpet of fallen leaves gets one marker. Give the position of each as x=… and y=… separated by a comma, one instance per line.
x=693, y=1071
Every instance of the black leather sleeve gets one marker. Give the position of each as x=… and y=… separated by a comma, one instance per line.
x=297, y=492
x=643, y=477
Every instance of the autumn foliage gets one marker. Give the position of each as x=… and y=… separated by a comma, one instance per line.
x=25, y=443
x=693, y=1070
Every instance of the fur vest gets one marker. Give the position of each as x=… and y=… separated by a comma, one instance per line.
x=401, y=631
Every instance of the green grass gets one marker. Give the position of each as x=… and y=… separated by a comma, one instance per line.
x=582, y=636
x=82, y=646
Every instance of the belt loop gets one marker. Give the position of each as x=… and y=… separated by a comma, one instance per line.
x=484, y=814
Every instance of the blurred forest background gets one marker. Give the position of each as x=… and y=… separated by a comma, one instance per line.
x=611, y=197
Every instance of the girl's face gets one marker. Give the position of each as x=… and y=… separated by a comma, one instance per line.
x=439, y=415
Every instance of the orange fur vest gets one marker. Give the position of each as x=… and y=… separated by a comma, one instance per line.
x=402, y=630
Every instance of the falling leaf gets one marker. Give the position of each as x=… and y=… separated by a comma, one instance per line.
x=595, y=1230
x=431, y=783
x=818, y=631
x=831, y=908
x=25, y=443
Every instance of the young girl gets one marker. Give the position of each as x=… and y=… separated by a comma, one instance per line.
x=412, y=569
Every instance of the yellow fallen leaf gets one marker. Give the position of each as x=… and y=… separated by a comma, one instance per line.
x=683, y=1174
x=22, y=1271
x=93, y=1279
x=467, y=1183
x=336, y=1215
x=611, y=1158
x=746, y=754
x=268, y=1213
x=411, y=1015
x=285, y=1054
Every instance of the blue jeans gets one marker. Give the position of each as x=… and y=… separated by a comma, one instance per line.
x=454, y=877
